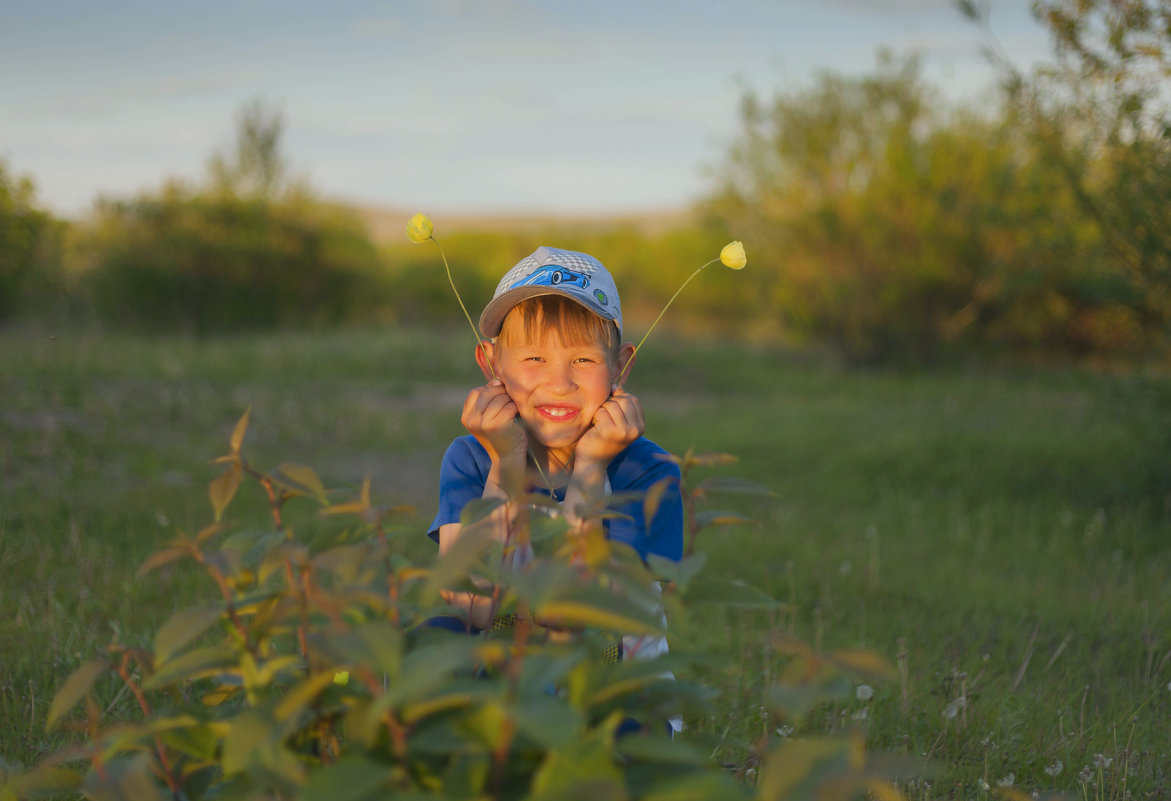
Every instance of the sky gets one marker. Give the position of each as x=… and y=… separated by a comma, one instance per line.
x=562, y=107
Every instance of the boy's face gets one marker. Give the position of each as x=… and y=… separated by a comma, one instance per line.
x=556, y=387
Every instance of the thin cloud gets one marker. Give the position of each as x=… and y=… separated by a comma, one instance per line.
x=885, y=7
x=119, y=96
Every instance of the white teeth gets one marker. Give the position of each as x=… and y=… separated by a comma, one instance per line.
x=558, y=412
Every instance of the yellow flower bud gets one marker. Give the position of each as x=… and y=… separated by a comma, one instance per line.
x=733, y=255
x=341, y=678
x=419, y=228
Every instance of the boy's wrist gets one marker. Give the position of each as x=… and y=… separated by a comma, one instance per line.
x=502, y=467
x=587, y=470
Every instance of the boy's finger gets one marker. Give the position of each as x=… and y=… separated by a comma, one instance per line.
x=499, y=404
x=627, y=406
x=627, y=411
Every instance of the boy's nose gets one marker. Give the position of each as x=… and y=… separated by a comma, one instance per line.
x=561, y=379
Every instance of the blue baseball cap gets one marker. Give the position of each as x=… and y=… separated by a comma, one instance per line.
x=552, y=271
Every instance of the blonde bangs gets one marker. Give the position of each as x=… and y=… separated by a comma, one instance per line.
x=532, y=319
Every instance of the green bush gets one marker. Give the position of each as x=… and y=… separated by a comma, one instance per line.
x=29, y=244
x=310, y=676
x=214, y=261
x=894, y=227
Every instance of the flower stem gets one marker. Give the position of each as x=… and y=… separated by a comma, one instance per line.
x=622, y=377
x=475, y=333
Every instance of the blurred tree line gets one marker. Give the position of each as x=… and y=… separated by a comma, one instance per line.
x=879, y=219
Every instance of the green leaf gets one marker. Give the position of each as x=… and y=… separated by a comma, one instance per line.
x=803, y=767
x=346, y=562
x=712, y=459
x=867, y=664
x=196, y=741
x=276, y=557
x=786, y=643
x=545, y=527
x=247, y=732
x=583, y=770
x=123, y=779
x=697, y=787
x=352, y=778
x=549, y=721
x=797, y=700
x=300, y=479
x=729, y=592
x=662, y=749
x=377, y=645
x=681, y=572
x=76, y=687
x=711, y=517
x=412, y=713
x=732, y=484
x=183, y=627
x=237, y=438
x=251, y=543
x=654, y=497
x=255, y=743
x=429, y=668
x=593, y=607
x=43, y=781
x=546, y=668
x=160, y=558
x=457, y=561
x=476, y=510
x=194, y=665
x=223, y=488
x=302, y=695
x=487, y=722
x=466, y=774
x=542, y=579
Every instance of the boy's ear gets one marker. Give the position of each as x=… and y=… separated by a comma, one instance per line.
x=626, y=356
x=485, y=357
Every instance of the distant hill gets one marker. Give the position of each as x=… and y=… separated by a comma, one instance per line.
x=387, y=224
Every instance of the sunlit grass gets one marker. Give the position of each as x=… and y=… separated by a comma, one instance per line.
x=1000, y=533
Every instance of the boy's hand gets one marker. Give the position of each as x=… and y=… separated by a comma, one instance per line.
x=490, y=416
x=617, y=423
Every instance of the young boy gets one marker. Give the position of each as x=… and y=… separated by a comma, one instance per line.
x=553, y=412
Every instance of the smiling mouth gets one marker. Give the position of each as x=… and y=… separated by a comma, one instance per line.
x=557, y=413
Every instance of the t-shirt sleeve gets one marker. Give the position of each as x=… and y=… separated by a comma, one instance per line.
x=640, y=467
x=461, y=479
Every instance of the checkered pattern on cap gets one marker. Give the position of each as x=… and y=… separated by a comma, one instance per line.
x=599, y=296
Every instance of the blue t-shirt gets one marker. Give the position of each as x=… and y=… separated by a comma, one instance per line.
x=638, y=468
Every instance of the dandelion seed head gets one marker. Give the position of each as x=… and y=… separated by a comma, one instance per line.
x=861, y=714
x=950, y=711
x=864, y=692
x=1102, y=761
x=1006, y=781
x=1055, y=769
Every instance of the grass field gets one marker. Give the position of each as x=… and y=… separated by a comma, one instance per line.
x=1000, y=534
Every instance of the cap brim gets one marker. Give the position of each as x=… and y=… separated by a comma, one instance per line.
x=492, y=318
